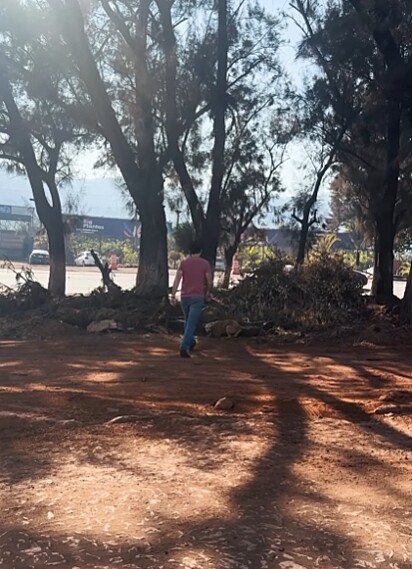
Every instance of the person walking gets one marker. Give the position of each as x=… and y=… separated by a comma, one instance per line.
x=196, y=277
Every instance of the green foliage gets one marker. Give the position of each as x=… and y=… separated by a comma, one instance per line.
x=331, y=287
x=323, y=245
x=323, y=291
x=183, y=237
x=252, y=255
x=365, y=259
x=350, y=207
x=403, y=243
x=404, y=268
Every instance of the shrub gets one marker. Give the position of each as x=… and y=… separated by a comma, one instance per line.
x=332, y=288
x=323, y=291
x=28, y=295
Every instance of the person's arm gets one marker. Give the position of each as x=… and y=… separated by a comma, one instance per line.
x=176, y=284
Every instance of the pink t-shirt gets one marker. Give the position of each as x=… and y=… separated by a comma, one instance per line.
x=194, y=270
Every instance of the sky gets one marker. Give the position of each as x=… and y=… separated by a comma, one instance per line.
x=98, y=196
x=97, y=191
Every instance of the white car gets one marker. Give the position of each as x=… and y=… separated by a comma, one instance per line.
x=85, y=259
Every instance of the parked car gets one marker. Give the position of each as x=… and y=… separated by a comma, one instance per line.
x=39, y=257
x=85, y=259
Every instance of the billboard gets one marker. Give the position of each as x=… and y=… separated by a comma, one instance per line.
x=108, y=227
x=102, y=227
x=16, y=213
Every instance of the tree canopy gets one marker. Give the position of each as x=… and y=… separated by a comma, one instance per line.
x=190, y=103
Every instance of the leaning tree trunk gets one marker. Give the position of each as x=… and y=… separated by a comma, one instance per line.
x=108, y=283
x=305, y=220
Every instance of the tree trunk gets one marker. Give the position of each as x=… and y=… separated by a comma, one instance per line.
x=173, y=129
x=152, y=274
x=212, y=224
x=53, y=222
x=55, y=234
x=357, y=258
x=49, y=215
x=385, y=218
x=51, y=218
x=303, y=236
x=105, y=271
x=305, y=222
x=208, y=227
x=229, y=254
x=186, y=183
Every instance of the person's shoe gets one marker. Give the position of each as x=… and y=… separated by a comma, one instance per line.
x=193, y=345
x=184, y=353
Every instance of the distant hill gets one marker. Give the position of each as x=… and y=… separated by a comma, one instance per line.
x=98, y=196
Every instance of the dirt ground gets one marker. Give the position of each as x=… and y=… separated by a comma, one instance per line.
x=300, y=474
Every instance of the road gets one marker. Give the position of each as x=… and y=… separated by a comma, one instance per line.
x=82, y=280
x=79, y=280
x=398, y=287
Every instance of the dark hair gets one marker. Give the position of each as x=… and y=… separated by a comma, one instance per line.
x=195, y=247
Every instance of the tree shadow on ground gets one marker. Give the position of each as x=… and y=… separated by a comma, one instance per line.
x=262, y=527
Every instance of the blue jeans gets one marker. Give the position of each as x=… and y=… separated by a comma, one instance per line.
x=192, y=307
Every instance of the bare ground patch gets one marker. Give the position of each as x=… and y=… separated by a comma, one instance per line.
x=300, y=474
